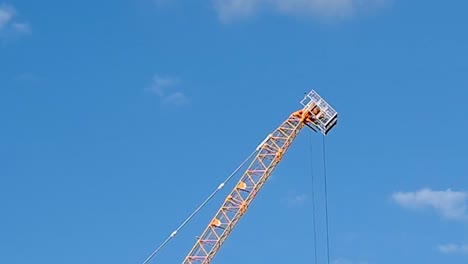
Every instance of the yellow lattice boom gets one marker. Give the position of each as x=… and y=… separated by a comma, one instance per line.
x=316, y=114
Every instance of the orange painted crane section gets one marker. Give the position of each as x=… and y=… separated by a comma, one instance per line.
x=316, y=114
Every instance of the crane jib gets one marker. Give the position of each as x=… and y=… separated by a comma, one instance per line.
x=317, y=114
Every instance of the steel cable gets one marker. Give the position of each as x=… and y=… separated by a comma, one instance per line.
x=313, y=197
x=326, y=197
x=174, y=233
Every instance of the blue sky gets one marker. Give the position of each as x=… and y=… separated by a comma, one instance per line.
x=118, y=119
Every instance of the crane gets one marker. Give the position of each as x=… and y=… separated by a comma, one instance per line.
x=318, y=115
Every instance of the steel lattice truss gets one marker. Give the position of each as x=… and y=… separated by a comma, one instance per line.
x=315, y=114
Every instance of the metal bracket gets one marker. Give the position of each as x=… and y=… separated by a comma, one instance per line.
x=326, y=118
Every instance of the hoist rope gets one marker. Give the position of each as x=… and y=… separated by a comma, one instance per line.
x=173, y=234
x=326, y=197
x=313, y=196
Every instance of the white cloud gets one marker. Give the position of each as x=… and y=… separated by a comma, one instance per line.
x=300, y=198
x=453, y=248
x=229, y=10
x=6, y=14
x=450, y=204
x=177, y=98
x=296, y=199
x=164, y=87
x=160, y=85
x=232, y=9
x=21, y=27
x=8, y=24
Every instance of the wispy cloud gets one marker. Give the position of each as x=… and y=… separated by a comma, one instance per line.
x=296, y=199
x=229, y=10
x=299, y=198
x=21, y=27
x=177, y=98
x=160, y=85
x=9, y=24
x=6, y=14
x=164, y=88
x=449, y=204
x=453, y=248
